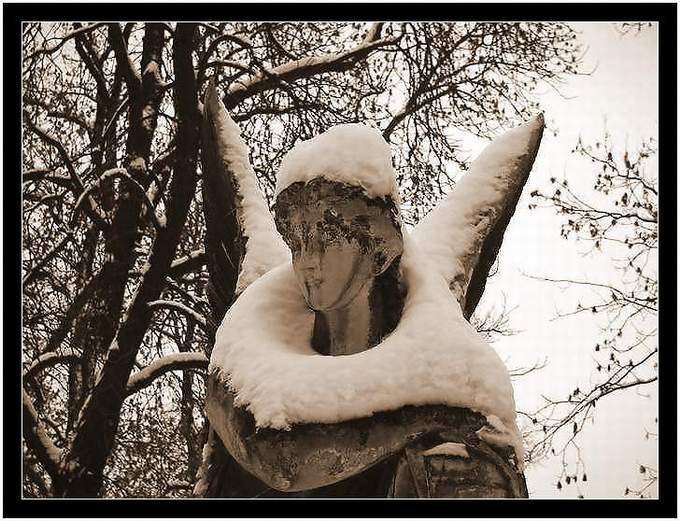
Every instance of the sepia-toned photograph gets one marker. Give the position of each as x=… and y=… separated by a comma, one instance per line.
x=374, y=259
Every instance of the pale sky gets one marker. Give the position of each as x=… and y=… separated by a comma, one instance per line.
x=621, y=94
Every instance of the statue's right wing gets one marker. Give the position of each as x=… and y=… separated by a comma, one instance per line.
x=464, y=233
x=242, y=242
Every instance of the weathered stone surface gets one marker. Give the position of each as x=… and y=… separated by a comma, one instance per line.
x=346, y=250
x=310, y=456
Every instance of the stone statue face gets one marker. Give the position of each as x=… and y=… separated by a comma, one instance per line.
x=339, y=239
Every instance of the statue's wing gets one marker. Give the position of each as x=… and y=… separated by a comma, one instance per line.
x=241, y=239
x=464, y=233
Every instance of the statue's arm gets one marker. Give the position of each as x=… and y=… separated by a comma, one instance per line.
x=464, y=233
x=309, y=456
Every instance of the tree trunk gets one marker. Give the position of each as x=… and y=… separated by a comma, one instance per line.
x=98, y=421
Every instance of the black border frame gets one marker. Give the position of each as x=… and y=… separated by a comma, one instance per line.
x=666, y=506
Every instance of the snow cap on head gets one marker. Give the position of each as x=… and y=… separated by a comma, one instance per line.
x=353, y=154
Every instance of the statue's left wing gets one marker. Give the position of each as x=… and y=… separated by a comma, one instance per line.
x=463, y=234
x=242, y=242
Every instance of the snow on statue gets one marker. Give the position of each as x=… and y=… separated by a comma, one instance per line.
x=355, y=357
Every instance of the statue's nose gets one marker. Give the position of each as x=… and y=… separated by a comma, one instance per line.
x=309, y=259
x=309, y=262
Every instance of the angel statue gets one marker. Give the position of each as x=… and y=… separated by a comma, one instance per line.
x=344, y=364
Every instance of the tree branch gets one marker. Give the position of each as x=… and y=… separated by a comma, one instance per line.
x=173, y=362
x=48, y=454
x=122, y=173
x=98, y=422
x=194, y=260
x=48, y=360
x=73, y=34
x=90, y=58
x=304, y=67
x=28, y=99
x=178, y=306
x=133, y=79
x=77, y=183
x=34, y=270
x=78, y=303
x=49, y=139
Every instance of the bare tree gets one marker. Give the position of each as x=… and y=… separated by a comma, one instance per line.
x=618, y=219
x=627, y=28
x=114, y=271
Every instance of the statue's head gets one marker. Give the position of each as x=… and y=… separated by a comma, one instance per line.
x=337, y=209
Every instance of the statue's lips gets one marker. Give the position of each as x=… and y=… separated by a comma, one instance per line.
x=316, y=294
x=313, y=283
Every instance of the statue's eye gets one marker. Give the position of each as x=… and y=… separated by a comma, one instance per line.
x=327, y=232
x=330, y=215
x=330, y=234
x=294, y=243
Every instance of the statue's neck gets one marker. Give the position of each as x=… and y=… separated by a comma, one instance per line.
x=363, y=323
x=346, y=330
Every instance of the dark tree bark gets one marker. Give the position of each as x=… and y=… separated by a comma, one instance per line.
x=97, y=425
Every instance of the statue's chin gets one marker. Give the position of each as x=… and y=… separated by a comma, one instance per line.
x=317, y=301
x=321, y=298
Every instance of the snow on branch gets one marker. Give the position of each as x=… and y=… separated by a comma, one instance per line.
x=48, y=360
x=374, y=32
x=132, y=77
x=173, y=362
x=50, y=50
x=77, y=183
x=308, y=66
x=158, y=220
x=48, y=454
x=464, y=233
x=193, y=260
x=36, y=268
x=178, y=306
